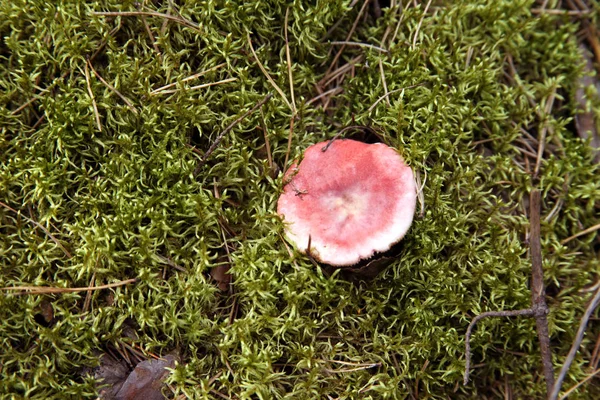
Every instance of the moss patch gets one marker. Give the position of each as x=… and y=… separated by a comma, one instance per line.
x=124, y=201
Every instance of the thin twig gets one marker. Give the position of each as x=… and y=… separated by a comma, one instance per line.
x=289, y=61
x=91, y=93
x=42, y=227
x=414, y=43
x=113, y=89
x=583, y=232
x=179, y=20
x=538, y=292
x=53, y=290
x=202, y=86
x=526, y=312
x=264, y=71
x=189, y=78
x=575, y=347
x=367, y=45
x=226, y=130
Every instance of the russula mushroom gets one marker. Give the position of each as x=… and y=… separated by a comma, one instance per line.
x=347, y=200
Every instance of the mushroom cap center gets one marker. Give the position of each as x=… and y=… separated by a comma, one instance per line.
x=352, y=200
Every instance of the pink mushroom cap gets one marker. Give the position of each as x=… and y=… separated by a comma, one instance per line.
x=350, y=201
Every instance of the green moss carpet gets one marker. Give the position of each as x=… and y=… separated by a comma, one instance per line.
x=105, y=178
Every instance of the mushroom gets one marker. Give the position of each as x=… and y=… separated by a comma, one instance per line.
x=346, y=200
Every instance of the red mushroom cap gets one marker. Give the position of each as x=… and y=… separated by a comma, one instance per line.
x=350, y=201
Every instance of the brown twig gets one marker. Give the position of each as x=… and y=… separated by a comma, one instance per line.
x=575, y=347
x=226, y=130
x=46, y=231
x=55, y=290
x=538, y=292
x=539, y=308
x=526, y=312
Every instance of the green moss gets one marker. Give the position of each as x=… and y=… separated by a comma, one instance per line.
x=125, y=203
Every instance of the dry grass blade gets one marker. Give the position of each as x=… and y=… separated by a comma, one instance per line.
x=113, y=89
x=575, y=347
x=583, y=232
x=571, y=390
x=54, y=290
x=91, y=93
x=189, y=78
x=204, y=85
x=366, y=45
x=561, y=12
x=289, y=61
x=416, y=34
x=264, y=71
x=39, y=226
x=179, y=20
